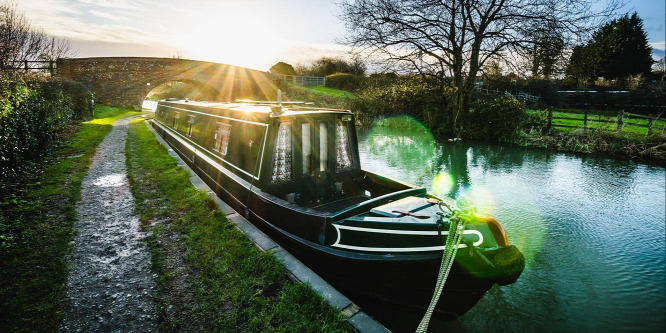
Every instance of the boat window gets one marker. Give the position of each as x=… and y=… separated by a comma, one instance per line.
x=221, y=138
x=323, y=147
x=282, y=160
x=342, y=149
x=307, y=148
x=190, y=124
x=175, y=120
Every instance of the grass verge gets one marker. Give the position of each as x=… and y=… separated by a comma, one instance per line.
x=211, y=277
x=36, y=228
x=321, y=96
x=600, y=120
x=599, y=142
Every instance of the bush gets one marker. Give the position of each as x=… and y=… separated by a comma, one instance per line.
x=283, y=68
x=499, y=118
x=345, y=81
x=410, y=96
x=33, y=116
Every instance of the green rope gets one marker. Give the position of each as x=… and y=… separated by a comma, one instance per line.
x=457, y=219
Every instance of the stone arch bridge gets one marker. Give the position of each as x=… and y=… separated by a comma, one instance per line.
x=126, y=81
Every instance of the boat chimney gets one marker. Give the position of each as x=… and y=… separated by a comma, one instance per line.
x=278, y=109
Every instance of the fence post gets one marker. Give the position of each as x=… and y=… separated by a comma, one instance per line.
x=25, y=62
x=51, y=67
x=585, y=121
x=550, y=118
x=620, y=120
x=649, y=126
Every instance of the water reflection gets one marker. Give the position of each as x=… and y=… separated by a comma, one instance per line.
x=591, y=228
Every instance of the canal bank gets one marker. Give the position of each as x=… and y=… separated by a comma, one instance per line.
x=298, y=272
x=217, y=254
x=37, y=227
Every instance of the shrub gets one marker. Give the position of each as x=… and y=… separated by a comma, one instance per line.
x=33, y=116
x=345, y=81
x=410, y=96
x=499, y=118
x=283, y=68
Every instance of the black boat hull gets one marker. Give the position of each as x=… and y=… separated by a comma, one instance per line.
x=405, y=280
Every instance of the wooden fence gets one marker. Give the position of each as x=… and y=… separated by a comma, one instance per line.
x=26, y=65
x=304, y=81
x=621, y=120
x=521, y=96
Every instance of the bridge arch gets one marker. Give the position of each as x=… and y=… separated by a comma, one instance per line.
x=205, y=92
x=126, y=81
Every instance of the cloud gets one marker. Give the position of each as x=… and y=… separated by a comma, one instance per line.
x=94, y=48
x=658, y=50
x=117, y=4
x=305, y=53
x=109, y=16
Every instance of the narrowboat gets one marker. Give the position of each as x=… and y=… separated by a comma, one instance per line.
x=294, y=171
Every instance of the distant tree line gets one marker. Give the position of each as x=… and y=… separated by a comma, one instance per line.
x=617, y=50
x=36, y=110
x=435, y=57
x=322, y=66
x=20, y=40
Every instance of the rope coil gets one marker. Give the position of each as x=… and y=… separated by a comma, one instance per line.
x=457, y=219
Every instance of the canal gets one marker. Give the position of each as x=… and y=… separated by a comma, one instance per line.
x=591, y=229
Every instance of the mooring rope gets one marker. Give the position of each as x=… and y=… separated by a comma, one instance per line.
x=457, y=220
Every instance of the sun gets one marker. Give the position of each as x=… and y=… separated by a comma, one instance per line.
x=234, y=40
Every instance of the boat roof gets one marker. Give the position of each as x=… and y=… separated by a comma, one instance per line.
x=264, y=107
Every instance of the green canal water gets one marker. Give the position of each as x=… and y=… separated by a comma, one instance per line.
x=591, y=229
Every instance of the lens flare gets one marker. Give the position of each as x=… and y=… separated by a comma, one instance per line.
x=442, y=184
x=481, y=198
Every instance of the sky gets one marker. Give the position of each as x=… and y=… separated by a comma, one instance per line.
x=249, y=33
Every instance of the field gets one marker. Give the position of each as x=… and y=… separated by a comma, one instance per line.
x=568, y=120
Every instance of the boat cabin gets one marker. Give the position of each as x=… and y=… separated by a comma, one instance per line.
x=305, y=156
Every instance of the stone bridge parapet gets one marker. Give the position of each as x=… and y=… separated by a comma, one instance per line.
x=125, y=81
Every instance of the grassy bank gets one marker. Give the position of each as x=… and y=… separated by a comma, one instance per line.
x=36, y=228
x=568, y=120
x=211, y=277
x=598, y=142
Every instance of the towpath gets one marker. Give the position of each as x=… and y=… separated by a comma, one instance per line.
x=110, y=284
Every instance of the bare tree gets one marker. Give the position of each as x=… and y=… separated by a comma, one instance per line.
x=448, y=42
x=22, y=41
x=660, y=66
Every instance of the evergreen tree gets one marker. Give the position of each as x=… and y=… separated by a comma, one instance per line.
x=623, y=48
x=617, y=50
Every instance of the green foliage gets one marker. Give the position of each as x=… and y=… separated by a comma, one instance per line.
x=410, y=96
x=326, y=91
x=283, y=68
x=321, y=96
x=325, y=66
x=345, y=81
x=34, y=116
x=617, y=50
x=36, y=229
x=598, y=141
x=499, y=118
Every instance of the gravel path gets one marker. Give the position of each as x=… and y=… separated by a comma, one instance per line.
x=110, y=285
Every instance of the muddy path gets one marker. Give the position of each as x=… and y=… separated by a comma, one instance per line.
x=110, y=285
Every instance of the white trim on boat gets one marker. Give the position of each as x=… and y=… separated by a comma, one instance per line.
x=399, y=232
x=216, y=116
x=182, y=139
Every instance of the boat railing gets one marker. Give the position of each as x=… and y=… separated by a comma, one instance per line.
x=363, y=206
